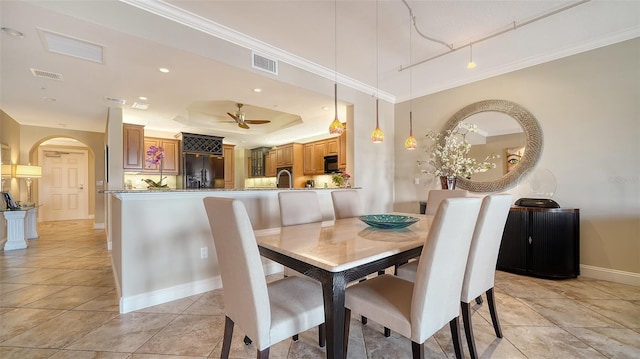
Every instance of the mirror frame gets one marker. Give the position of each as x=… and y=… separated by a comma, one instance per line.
x=533, y=146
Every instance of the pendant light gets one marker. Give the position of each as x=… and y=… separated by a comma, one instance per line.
x=336, y=127
x=377, y=136
x=410, y=143
x=471, y=65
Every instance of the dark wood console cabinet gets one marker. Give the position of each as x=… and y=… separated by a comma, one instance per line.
x=541, y=242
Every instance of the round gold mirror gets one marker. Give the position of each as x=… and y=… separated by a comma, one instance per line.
x=532, y=146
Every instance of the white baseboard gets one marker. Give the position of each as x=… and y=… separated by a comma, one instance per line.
x=611, y=275
x=149, y=299
x=98, y=226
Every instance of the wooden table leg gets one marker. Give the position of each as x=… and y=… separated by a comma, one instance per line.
x=333, y=287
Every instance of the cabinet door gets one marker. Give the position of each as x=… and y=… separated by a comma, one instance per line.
x=308, y=159
x=285, y=155
x=513, y=248
x=553, y=249
x=319, y=150
x=171, y=161
x=271, y=163
x=342, y=150
x=229, y=166
x=148, y=142
x=133, y=146
x=331, y=146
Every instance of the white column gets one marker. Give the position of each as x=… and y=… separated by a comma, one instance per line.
x=15, y=230
x=31, y=224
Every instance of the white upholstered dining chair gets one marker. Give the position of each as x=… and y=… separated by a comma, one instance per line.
x=346, y=204
x=419, y=309
x=299, y=207
x=436, y=196
x=267, y=312
x=480, y=271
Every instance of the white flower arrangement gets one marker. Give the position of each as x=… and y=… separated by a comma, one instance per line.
x=448, y=154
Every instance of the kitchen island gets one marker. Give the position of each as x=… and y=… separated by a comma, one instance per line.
x=161, y=240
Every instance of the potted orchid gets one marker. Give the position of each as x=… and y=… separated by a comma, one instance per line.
x=448, y=158
x=155, y=154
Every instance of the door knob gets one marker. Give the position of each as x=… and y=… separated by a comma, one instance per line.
x=81, y=186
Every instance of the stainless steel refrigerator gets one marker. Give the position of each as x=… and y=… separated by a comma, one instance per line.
x=203, y=171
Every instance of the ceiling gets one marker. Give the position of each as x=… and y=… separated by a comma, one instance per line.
x=207, y=47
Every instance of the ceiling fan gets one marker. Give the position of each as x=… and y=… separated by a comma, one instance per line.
x=239, y=117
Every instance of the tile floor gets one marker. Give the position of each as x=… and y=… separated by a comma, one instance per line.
x=57, y=300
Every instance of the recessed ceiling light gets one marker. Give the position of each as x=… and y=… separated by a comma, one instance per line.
x=164, y=70
x=257, y=90
x=140, y=106
x=12, y=32
x=50, y=99
x=142, y=98
x=325, y=108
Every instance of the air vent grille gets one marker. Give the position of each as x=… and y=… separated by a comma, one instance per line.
x=118, y=101
x=140, y=105
x=46, y=74
x=265, y=64
x=201, y=144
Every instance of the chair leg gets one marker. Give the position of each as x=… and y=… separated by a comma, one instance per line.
x=263, y=354
x=455, y=334
x=226, y=341
x=468, y=329
x=387, y=332
x=247, y=340
x=347, y=325
x=322, y=335
x=479, y=299
x=363, y=319
x=494, y=314
x=417, y=350
x=295, y=338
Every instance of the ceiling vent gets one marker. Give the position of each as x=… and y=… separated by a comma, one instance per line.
x=69, y=46
x=264, y=63
x=114, y=100
x=46, y=74
x=140, y=105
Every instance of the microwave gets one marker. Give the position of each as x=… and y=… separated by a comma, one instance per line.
x=331, y=164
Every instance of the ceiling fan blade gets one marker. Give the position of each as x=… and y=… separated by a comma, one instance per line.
x=257, y=122
x=233, y=116
x=243, y=125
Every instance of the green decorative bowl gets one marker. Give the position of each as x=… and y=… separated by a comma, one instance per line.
x=388, y=220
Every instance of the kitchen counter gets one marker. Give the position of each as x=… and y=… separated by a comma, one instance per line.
x=141, y=190
x=161, y=242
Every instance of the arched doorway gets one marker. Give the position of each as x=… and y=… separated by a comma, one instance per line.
x=64, y=190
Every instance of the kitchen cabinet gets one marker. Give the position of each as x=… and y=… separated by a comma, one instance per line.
x=331, y=146
x=541, y=242
x=342, y=149
x=171, y=160
x=229, y=166
x=133, y=146
x=314, y=153
x=270, y=163
x=284, y=155
x=258, y=161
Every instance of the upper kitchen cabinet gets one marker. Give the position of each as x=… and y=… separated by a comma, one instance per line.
x=171, y=160
x=133, y=146
x=258, y=161
x=287, y=154
x=270, y=163
x=314, y=153
x=229, y=166
x=342, y=149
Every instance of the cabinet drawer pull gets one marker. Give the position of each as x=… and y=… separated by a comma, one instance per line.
x=530, y=240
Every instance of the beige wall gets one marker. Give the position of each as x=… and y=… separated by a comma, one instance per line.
x=588, y=106
x=10, y=136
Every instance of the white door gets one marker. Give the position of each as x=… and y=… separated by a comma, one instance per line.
x=63, y=185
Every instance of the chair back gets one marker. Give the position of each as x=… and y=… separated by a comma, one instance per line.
x=438, y=195
x=485, y=245
x=246, y=299
x=346, y=204
x=436, y=294
x=299, y=207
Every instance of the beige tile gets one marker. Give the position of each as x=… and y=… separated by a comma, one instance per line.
x=17, y=321
x=69, y=298
x=566, y=313
x=512, y=311
x=613, y=342
x=186, y=335
x=83, y=354
x=22, y=353
x=90, y=277
x=108, y=302
x=548, y=342
x=576, y=289
x=487, y=344
x=61, y=330
x=36, y=276
x=622, y=291
x=28, y=295
x=9, y=271
x=125, y=333
x=525, y=289
x=621, y=311
x=160, y=356
x=241, y=351
x=395, y=346
x=174, y=307
x=210, y=303
x=10, y=287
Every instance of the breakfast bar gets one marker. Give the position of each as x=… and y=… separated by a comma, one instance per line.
x=161, y=241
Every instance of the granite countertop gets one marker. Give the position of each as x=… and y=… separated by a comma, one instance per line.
x=140, y=190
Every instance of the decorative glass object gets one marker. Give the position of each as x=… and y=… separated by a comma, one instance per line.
x=388, y=220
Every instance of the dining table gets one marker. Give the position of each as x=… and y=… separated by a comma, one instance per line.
x=339, y=252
